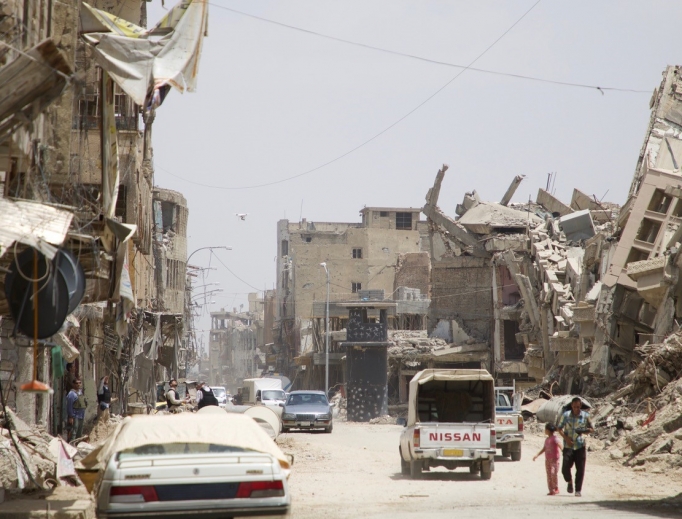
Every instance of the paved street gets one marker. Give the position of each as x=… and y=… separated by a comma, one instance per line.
x=355, y=472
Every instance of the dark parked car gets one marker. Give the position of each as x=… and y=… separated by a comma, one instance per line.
x=307, y=410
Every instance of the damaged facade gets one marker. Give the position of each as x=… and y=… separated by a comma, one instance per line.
x=76, y=165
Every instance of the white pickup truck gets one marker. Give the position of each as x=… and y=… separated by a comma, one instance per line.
x=450, y=422
x=508, y=422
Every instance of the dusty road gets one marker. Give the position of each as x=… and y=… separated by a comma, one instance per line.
x=355, y=472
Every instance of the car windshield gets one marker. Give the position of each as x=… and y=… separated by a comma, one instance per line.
x=156, y=449
x=219, y=392
x=306, y=398
x=273, y=395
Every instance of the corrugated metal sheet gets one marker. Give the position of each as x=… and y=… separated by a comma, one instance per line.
x=32, y=223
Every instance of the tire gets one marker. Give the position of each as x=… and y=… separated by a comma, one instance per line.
x=329, y=429
x=415, y=469
x=285, y=430
x=474, y=468
x=505, y=450
x=516, y=456
x=486, y=470
x=404, y=465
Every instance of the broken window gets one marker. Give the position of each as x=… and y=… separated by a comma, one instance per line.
x=383, y=213
x=637, y=255
x=88, y=115
x=648, y=230
x=357, y=253
x=677, y=212
x=168, y=216
x=121, y=203
x=512, y=349
x=355, y=287
x=307, y=239
x=285, y=247
x=403, y=221
x=660, y=202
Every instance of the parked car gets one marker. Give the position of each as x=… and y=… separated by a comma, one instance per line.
x=206, y=464
x=508, y=422
x=221, y=395
x=307, y=410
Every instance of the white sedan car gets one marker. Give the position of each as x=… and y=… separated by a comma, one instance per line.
x=208, y=464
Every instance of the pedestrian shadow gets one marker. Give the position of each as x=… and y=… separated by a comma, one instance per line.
x=664, y=507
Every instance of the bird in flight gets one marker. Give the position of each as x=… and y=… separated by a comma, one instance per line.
x=242, y=216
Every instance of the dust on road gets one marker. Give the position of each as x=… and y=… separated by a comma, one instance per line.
x=355, y=472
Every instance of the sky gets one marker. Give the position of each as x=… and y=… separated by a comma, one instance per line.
x=273, y=102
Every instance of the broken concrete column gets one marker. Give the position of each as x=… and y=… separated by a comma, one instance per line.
x=511, y=189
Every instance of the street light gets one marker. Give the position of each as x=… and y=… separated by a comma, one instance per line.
x=204, y=248
x=326, y=338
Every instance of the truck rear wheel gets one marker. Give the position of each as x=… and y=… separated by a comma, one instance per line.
x=505, y=450
x=486, y=470
x=404, y=465
x=516, y=456
x=474, y=468
x=415, y=469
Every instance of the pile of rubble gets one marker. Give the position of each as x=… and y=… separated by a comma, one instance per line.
x=339, y=406
x=409, y=343
x=31, y=459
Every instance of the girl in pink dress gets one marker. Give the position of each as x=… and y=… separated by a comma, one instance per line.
x=552, y=450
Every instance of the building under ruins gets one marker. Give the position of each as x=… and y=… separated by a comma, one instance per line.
x=76, y=174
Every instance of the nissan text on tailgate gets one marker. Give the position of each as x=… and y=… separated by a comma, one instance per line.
x=450, y=422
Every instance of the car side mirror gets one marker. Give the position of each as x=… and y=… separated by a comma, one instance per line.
x=281, y=404
x=401, y=421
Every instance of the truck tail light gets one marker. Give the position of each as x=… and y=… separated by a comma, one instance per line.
x=520, y=423
x=493, y=439
x=416, y=438
x=134, y=494
x=260, y=489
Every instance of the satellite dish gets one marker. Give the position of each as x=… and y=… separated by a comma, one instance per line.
x=61, y=286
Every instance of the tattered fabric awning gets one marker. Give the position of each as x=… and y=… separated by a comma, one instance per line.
x=144, y=63
x=32, y=223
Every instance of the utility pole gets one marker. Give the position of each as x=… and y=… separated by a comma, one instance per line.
x=326, y=337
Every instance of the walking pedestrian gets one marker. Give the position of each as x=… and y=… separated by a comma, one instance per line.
x=552, y=450
x=205, y=396
x=573, y=425
x=76, y=404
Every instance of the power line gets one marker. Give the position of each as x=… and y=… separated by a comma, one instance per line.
x=361, y=145
x=434, y=61
x=235, y=275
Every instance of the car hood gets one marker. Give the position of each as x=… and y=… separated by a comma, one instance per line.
x=307, y=408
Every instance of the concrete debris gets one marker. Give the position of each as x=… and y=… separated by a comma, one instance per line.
x=383, y=420
x=31, y=459
x=339, y=403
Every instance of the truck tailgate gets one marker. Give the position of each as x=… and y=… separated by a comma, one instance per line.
x=466, y=436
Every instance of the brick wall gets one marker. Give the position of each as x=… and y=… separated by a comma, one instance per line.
x=461, y=289
x=414, y=271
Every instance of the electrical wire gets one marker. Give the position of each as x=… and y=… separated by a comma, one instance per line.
x=377, y=135
x=430, y=60
x=235, y=275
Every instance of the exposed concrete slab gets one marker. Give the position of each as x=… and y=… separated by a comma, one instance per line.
x=486, y=217
x=552, y=204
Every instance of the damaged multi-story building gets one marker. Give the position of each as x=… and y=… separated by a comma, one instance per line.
x=77, y=175
x=239, y=342
x=381, y=258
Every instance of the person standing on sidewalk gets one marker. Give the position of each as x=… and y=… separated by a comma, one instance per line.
x=75, y=410
x=572, y=427
x=103, y=398
x=552, y=450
